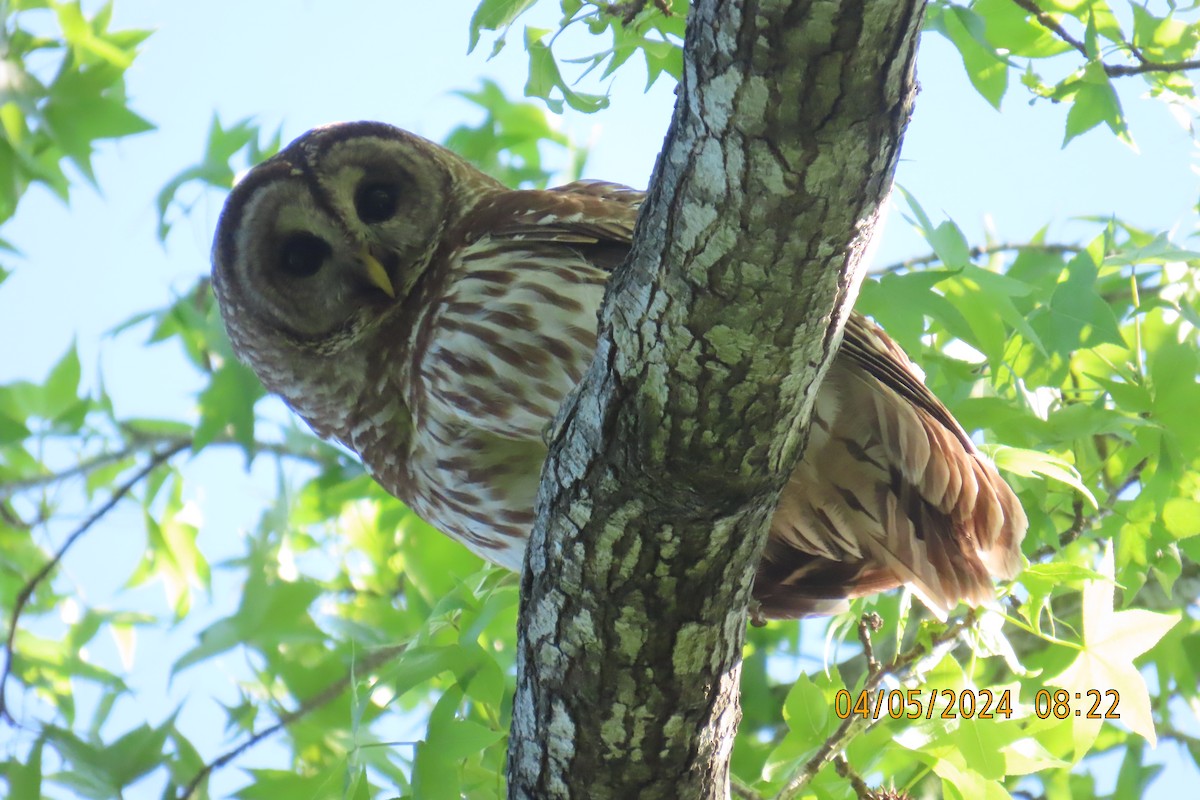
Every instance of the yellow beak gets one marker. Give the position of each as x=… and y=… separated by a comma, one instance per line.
x=376, y=274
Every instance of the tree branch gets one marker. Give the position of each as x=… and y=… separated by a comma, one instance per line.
x=28, y=589
x=1048, y=22
x=139, y=443
x=861, y=790
x=10, y=489
x=669, y=458
x=328, y=694
x=1051, y=24
x=1082, y=522
x=980, y=251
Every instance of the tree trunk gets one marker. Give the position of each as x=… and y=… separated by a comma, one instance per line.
x=669, y=460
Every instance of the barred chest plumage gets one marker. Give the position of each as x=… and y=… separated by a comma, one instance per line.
x=491, y=361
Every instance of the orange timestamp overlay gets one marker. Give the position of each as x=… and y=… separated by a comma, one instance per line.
x=973, y=704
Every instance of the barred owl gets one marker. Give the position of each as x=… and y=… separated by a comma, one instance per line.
x=411, y=307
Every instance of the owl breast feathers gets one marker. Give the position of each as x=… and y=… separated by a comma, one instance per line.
x=432, y=320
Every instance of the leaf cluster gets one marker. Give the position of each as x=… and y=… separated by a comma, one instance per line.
x=62, y=89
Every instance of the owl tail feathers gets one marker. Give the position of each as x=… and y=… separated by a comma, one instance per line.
x=945, y=558
x=1002, y=553
x=951, y=558
x=793, y=584
x=824, y=587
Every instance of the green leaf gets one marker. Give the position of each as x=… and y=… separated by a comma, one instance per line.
x=25, y=776
x=11, y=430
x=1132, y=398
x=1070, y=423
x=1111, y=640
x=1163, y=39
x=495, y=15
x=662, y=58
x=360, y=786
x=1034, y=463
x=1027, y=755
x=950, y=245
x=545, y=78
x=227, y=407
x=83, y=107
x=273, y=784
x=105, y=475
x=1010, y=28
x=900, y=301
x=1093, y=101
x=807, y=710
x=981, y=742
x=271, y=611
x=1173, y=367
x=1135, y=777
x=986, y=69
x=139, y=752
x=1078, y=314
x=90, y=771
x=157, y=428
x=1181, y=515
x=459, y=738
x=172, y=554
x=61, y=390
x=509, y=143
x=985, y=301
x=215, y=170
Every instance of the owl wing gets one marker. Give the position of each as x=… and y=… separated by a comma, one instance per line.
x=591, y=214
x=890, y=490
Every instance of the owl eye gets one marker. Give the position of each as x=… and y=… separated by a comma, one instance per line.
x=303, y=255
x=376, y=201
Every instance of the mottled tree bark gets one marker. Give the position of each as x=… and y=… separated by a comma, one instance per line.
x=669, y=460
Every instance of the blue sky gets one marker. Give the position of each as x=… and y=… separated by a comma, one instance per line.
x=90, y=265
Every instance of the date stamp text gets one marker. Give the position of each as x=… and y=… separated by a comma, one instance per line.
x=973, y=704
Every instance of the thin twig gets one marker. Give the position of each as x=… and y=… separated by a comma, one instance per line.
x=327, y=695
x=1171, y=732
x=979, y=251
x=861, y=790
x=868, y=624
x=1083, y=522
x=1051, y=24
x=912, y=662
x=28, y=589
x=742, y=791
x=1123, y=70
x=9, y=489
x=1144, y=64
x=1160, y=66
x=141, y=443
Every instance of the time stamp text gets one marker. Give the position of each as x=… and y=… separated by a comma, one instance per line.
x=973, y=704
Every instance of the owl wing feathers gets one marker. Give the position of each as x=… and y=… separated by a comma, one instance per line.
x=583, y=212
x=891, y=490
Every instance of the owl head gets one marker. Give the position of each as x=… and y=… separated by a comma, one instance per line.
x=329, y=237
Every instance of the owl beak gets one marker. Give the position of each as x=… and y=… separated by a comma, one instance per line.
x=376, y=274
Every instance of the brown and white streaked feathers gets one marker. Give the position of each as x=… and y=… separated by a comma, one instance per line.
x=410, y=306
